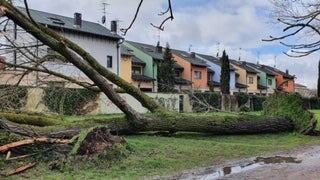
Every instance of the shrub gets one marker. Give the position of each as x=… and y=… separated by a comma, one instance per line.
x=290, y=106
x=13, y=97
x=257, y=102
x=242, y=99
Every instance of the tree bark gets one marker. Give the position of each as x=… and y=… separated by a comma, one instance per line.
x=213, y=124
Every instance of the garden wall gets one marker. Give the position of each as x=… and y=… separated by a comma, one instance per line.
x=37, y=101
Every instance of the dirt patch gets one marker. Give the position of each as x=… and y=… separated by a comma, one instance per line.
x=97, y=141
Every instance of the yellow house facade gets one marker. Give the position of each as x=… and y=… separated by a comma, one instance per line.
x=246, y=76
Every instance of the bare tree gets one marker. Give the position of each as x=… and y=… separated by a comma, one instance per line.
x=300, y=20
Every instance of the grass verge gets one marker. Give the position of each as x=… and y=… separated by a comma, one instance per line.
x=150, y=155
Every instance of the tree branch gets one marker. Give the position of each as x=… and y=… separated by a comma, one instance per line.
x=125, y=30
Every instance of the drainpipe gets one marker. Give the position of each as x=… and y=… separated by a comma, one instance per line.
x=246, y=82
x=118, y=55
x=266, y=85
x=153, y=82
x=192, y=83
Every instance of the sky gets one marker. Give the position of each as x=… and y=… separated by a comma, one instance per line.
x=201, y=26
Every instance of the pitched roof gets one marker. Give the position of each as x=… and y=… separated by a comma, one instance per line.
x=241, y=86
x=187, y=56
x=66, y=23
x=136, y=60
x=181, y=81
x=125, y=51
x=140, y=77
x=214, y=60
x=177, y=66
x=284, y=74
x=261, y=68
x=243, y=65
x=148, y=49
x=214, y=83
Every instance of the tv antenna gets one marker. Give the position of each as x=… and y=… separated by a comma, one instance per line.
x=240, y=53
x=218, y=48
x=159, y=35
x=104, y=12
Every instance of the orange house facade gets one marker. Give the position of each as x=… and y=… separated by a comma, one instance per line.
x=195, y=70
x=284, y=81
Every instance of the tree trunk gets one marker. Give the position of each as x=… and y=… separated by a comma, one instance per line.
x=213, y=124
x=226, y=102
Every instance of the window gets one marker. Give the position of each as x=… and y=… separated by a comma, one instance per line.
x=109, y=61
x=56, y=20
x=178, y=74
x=269, y=82
x=250, y=80
x=197, y=74
x=136, y=70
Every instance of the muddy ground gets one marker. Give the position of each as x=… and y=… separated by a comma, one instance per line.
x=299, y=164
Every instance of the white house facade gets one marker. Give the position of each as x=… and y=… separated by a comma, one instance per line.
x=102, y=43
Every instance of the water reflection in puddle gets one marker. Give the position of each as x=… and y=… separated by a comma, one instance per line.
x=259, y=161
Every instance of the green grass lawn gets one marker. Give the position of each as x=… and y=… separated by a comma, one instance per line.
x=150, y=155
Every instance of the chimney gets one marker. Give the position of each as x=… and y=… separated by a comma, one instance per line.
x=287, y=71
x=158, y=48
x=114, y=27
x=193, y=54
x=77, y=20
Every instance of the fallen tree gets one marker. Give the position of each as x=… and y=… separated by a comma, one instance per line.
x=160, y=118
x=212, y=124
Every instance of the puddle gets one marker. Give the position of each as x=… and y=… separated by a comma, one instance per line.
x=259, y=161
x=276, y=160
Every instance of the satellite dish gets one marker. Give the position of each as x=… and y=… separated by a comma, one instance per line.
x=103, y=19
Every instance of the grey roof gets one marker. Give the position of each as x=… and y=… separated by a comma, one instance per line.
x=261, y=68
x=286, y=75
x=214, y=60
x=136, y=60
x=177, y=66
x=193, y=60
x=241, y=86
x=140, y=77
x=66, y=23
x=148, y=49
x=125, y=51
x=208, y=57
x=243, y=65
x=214, y=83
x=181, y=81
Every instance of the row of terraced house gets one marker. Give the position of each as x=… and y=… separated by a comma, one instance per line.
x=138, y=62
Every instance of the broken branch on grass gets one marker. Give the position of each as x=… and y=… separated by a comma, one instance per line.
x=6, y=147
x=21, y=168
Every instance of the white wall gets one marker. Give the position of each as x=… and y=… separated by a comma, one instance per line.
x=105, y=106
x=98, y=47
x=169, y=101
